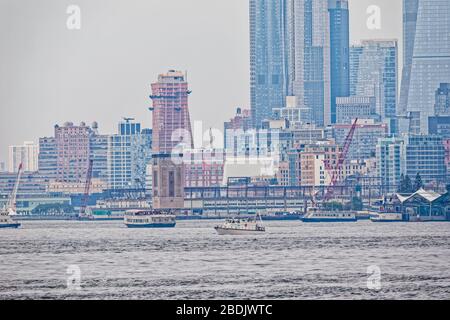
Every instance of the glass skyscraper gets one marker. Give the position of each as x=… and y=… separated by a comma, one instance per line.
x=308, y=58
x=339, y=51
x=290, y=56
x=373, y=70
x=267, y=58
x=426, y=36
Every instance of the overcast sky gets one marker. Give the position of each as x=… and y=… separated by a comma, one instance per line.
x=102, y=72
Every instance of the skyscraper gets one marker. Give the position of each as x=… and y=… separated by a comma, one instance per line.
x=339, y=52
x=267, y=57
x=426, y=29
x=308, y=58
x=171, y=128
x=374, y=73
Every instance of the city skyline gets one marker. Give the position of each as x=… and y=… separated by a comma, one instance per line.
x=29, y=77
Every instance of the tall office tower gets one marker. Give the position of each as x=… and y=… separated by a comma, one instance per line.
x=307, y=38
x=426, y=29
x=27, y=154
x=267, y=58
x=171, y=128
x=72, y=152
x=339, y=52
x=374, y=73
x=129, y=152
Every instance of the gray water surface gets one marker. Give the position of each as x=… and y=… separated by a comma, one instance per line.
x=292, y=260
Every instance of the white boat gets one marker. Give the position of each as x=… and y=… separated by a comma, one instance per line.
x=10, y=209
x=315, y=214
x=238, y=226
x=387, y=217
x=149, y=219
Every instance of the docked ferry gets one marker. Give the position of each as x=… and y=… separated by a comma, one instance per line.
x=240, y=227
x=320, y=215
x=6, y=221
x=387, y=217
x=149, y=219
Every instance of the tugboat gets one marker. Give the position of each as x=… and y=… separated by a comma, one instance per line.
x=315, y=214
x=10, y=209
x=149, y=219
x=237, y=226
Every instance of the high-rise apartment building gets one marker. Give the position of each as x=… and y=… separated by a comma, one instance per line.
x=171, y=129
x=391, y=162
x=129, y=152
x=425, y=154
x=72, y=152
x=426, y=56
x=27, y=154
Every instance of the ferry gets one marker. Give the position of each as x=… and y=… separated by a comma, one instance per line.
x=149, y=219
x=10, y=209
x=318, y=215
x=387, y=217
x=6, y=221
x=237, y=226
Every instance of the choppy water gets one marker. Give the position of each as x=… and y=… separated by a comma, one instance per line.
x=292, y=260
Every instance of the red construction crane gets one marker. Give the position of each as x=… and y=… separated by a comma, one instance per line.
x=336, y=169
x=87, y=187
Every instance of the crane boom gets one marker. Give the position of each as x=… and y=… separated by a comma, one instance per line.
x=87, y=187
x=340, y=162
x=12, y=198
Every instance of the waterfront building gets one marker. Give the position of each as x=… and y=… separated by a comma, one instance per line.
x=365, y=138
x=27, y=154
x=425, y=155
x=61, y=187
x=426, y=56
x=171, y=133
x=339, y=53
x=350, y=108
x=2, y=166
x=390, y=155
x=374, y=70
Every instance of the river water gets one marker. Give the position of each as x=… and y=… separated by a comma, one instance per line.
x=292, y=260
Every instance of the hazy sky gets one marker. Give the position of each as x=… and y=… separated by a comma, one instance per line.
x=102, y=72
